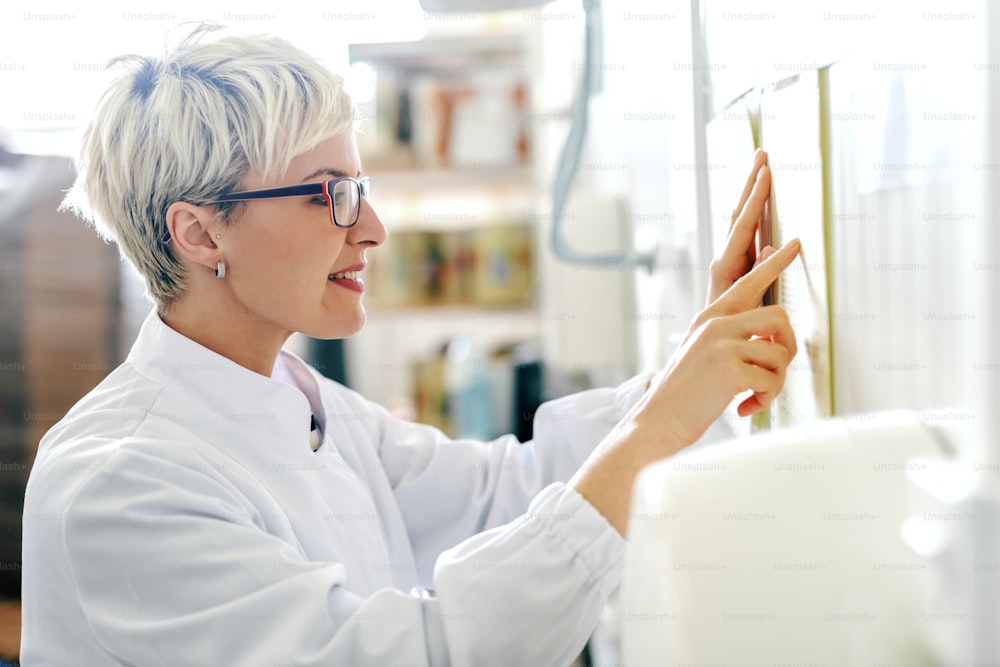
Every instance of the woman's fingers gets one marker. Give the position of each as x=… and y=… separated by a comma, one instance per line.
x=765, y=385
x=751, y=406
x=747, y=292
x=762, y=372
x=767, y=354
x=769, y=323
x=721, y=357
x=759, y=160
x=765, y=252
x=741, y=231
x=740, y=252
x=740, y=241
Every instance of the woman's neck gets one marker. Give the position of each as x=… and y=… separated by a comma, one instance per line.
x=242, y=337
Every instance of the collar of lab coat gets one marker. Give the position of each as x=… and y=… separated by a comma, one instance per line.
x=223, y=396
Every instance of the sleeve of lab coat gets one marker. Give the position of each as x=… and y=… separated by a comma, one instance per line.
x=171, y=568
x=449, y=490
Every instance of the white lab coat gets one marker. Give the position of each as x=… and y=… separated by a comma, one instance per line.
x=178, y=516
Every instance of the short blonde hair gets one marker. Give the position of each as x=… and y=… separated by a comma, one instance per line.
x=188, y=127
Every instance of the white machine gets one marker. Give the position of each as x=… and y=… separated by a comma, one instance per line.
x=786, y=548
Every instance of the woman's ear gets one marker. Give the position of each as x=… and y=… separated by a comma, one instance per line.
x=190, y=233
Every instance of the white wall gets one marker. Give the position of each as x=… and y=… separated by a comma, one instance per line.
x=638, y=155
x=904, y=243
x=906, y=217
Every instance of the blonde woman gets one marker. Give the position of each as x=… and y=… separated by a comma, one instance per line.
x=216, y=501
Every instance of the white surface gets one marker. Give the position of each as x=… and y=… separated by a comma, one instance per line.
x=782, y=549
x=587, y=314
x=906, y=261
x=477, y=5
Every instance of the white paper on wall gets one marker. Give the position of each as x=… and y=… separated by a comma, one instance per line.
x=731, y=145
x=791, y=133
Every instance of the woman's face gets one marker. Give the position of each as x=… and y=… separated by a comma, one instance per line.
x=281, y=254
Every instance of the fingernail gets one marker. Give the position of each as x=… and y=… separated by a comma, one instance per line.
x=794, y=244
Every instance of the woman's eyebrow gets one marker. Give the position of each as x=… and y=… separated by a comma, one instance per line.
x=336, y=173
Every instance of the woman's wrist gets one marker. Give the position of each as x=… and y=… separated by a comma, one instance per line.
x=605, y=480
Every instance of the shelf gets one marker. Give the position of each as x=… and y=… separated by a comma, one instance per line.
x=442, y=53
x=398, y=180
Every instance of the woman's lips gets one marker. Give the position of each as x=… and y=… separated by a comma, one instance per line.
x=349, y=278
x=355, y=284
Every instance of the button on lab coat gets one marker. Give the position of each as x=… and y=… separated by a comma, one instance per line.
x=178, y=516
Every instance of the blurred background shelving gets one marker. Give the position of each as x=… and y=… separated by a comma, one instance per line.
x=446, y=137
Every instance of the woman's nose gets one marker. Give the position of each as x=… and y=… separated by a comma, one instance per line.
x=369, y=231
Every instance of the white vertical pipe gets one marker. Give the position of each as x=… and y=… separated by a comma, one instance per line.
x=986, y=538
x=699, y=82
x=988, y=393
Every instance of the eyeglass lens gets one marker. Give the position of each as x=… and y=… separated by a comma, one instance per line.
x=346, y=201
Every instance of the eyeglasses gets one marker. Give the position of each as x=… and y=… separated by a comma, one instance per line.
x=343, y=198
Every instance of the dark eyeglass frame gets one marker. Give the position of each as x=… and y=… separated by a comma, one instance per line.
x=323, y=187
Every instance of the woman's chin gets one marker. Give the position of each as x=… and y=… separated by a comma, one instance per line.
x=339, y=324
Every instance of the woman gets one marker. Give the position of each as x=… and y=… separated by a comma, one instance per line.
x=216, y=501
